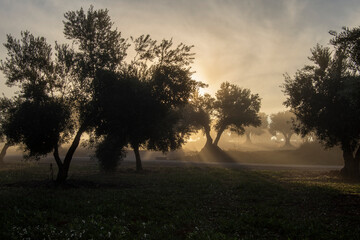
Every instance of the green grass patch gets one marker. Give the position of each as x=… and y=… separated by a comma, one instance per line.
x=177, y=203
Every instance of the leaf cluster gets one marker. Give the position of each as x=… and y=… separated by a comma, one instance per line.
x=282, y=122
x=324, y=96
x=236, y=108
x=258, y=130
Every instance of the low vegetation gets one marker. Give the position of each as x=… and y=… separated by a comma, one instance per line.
x=176, y=203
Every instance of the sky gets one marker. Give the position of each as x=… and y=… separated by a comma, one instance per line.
x=251, y=43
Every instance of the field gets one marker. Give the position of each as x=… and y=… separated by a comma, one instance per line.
x=176, y=203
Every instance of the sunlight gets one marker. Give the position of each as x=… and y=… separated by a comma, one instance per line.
x=198, y=77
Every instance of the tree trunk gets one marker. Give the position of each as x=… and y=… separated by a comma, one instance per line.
x=63, y=167
x=209, y=140
x=357, y=163
x=248, y=138
x=137, y=157
x=287, y=140
x=61, y=175
x=3, y=152
x=351, y=163
x=218, y=135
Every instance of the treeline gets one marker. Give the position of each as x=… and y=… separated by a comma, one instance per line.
x=90, y=86
x=150, y=101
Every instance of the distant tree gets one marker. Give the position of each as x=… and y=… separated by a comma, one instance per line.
x=251, y=130
x=325, y=97
x=6, y=105
x=235, y=109
x=144, y=101
x=61, y=89
x=199, y=113
x=281, y=123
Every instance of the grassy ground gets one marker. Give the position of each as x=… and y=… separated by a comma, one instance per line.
x=177, y=203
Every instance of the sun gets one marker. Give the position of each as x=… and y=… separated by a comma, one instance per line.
x=198, y=77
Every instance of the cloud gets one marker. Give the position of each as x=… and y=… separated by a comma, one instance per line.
x=250, y=43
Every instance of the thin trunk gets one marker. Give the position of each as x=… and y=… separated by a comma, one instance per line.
x=64, y=167
x=351, y=163
x=357, y=163
x=137, y=157
x=287, y=140
x=248, y=138
x=218, y=135
x=357, y=154
x=59, y=164
x=57, y=157
x=3, y=152
x=209, y=139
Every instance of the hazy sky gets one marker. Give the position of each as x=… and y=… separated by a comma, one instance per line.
x=251, y=43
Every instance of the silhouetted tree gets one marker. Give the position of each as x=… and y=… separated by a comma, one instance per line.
x=252, y=130
x=5, y=105
x=62, y=85
x=127, y=110
x=143, y=102
x=41, y=133
x=199, y=113
x=348, y=41
x=325, y=97
x=235, y=109
x=281, y=122
x=30, y=67
x=110, y=152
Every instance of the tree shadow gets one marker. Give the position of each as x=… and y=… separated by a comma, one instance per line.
x=212, y=153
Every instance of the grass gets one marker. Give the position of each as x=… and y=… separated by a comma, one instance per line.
x=177, y=203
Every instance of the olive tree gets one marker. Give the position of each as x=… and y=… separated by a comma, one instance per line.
x=60, y=88
x=281, y=123
x=259, y=130
x=199, y=115
x=6, y=105
x=142, y=103
x=235, y=108
x=324, y=96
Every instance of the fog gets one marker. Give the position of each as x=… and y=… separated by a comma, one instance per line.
x=262, y=151
x=249, y=43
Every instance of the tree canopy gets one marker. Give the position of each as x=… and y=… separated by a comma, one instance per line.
x=235, y=109
x=199, y=114
x=143, y=102
x=281, y=122
x=325, y=95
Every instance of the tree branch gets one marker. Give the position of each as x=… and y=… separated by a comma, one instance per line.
x=74, y=145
